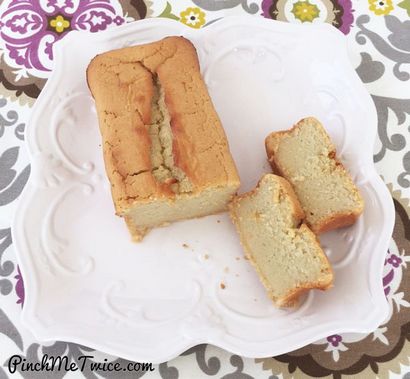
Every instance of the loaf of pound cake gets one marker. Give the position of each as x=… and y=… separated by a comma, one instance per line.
x=284, y=251
x=166, y=154
x=306, y=157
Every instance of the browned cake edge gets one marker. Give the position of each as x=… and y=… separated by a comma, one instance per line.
x=160, y=58
x=172, y=62
x=293, y=297
x=336, y=220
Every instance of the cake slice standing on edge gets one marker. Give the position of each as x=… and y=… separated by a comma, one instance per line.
x=165, y=151
x=306, y=157
x=284, y=251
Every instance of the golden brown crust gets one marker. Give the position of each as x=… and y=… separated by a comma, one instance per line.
x=122, y=83
x=336, y=220
x=292, y=298
x=273, y=139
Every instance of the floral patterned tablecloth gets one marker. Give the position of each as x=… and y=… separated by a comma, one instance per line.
x=379, y=41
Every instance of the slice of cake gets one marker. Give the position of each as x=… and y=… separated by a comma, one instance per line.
x=284, y=251
x=306, y=157
x=165, y=151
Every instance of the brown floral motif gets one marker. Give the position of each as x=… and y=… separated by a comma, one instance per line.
x=25, y=89
x=370, y=356
x=137, y=9
x=339, y=12
x=403, y=201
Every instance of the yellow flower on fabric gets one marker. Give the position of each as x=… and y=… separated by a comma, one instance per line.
x=381, y=7
x=305, y=11
x=192, y=17
x=59, y=24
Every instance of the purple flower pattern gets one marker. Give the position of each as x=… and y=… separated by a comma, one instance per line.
x=334, y=339
x=394, y=260
x=19, y=287
x=391, y=263
x=29, y=28
x=387, y=279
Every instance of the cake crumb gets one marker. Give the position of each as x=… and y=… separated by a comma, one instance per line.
x=185, y=245
x=206, y=256
x=237, y=275
x=226, y=269
x=222, y=286
x=218, y=221
x=238, y=258
x=255, y=299
x=246, y=258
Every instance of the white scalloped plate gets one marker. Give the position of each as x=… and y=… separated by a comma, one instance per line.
x=87, y=283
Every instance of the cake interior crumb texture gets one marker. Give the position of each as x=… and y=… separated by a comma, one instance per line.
x=306, y=157
x=142, y=217
x=284, y=251
x=165, y=151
